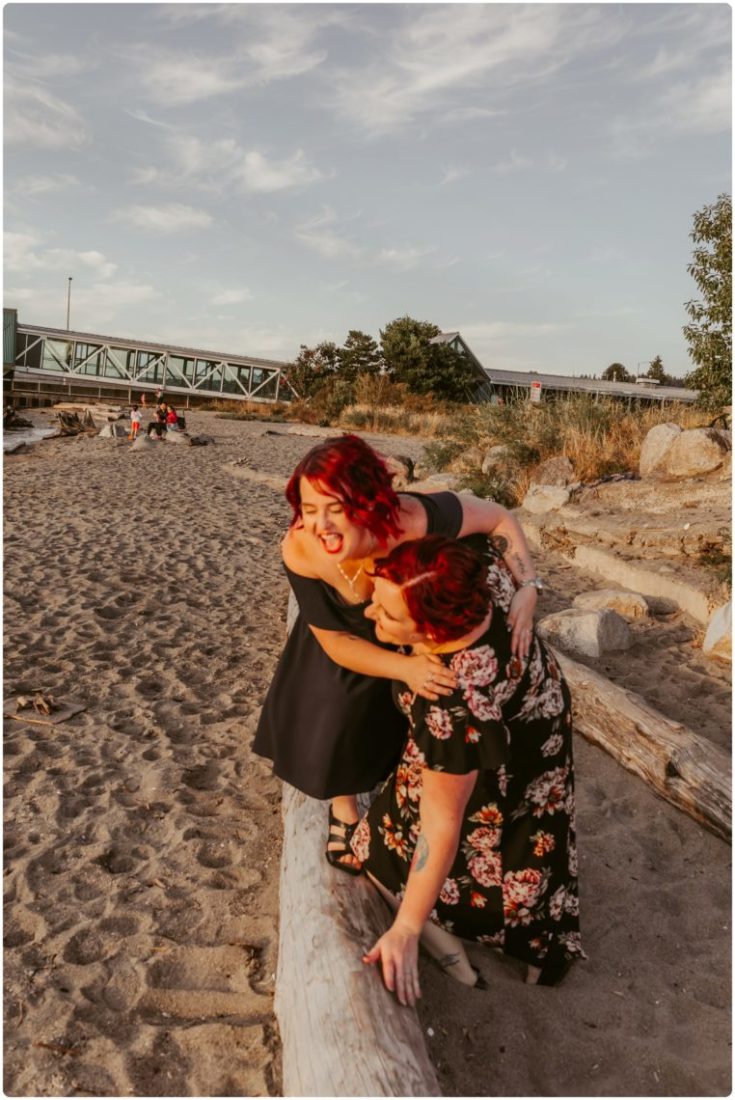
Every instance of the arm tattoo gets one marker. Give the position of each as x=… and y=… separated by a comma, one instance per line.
x=520, y=564
x=421, y=853
x=500, y=543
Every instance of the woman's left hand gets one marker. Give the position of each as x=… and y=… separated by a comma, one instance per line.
x=398, y=951
x=520, y=620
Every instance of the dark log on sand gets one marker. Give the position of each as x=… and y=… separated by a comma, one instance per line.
x=343, y=1034
x=684, y=768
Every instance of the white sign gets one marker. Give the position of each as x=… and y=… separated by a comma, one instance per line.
x=536, y=392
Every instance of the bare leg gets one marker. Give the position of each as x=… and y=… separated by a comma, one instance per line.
x=533, y=973
x=344, y=808
x=448, y=951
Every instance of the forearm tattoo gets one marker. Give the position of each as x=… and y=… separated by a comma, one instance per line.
x=520, y=564
x=421, y=854
x=500, y=543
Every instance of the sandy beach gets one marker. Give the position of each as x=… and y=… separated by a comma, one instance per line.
x=142, y=838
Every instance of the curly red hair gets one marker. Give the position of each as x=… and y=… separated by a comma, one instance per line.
x=443, y=582
x=349, y=469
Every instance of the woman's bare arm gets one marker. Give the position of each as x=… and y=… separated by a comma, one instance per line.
x=359, y=655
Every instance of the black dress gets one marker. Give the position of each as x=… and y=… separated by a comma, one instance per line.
x=513, y=883
x=330, y=731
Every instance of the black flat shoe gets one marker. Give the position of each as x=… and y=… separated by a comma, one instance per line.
x=341, y=833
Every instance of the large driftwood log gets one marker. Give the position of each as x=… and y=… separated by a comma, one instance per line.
x=343, y=1034
x=684, y=768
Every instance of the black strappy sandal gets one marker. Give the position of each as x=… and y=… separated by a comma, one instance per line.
x=336, y=836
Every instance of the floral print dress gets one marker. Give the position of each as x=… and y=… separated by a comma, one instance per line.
x=513, y=883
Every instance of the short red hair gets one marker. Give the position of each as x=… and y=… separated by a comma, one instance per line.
x=350, y=470
x=443, y=582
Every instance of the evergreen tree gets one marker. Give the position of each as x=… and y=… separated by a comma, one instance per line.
x=360, y=355
x=709, y=334
x=410, y=357
x=657, y=372
x=312, y=366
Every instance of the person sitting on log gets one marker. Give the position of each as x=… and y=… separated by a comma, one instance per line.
x=158, y=424
x=473, y=834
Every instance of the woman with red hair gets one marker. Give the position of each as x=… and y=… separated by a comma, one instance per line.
x=474, y=831
x=328, y=722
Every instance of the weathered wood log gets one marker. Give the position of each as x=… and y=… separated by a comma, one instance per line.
x=684, y=768
x=343, y=1034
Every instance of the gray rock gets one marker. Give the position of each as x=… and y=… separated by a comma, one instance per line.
x=495, y=457
x=545, y=498
x=586, y=633
x=655, y=447
x=631, y=605
x=113, y=431
x=696, y=452
x=402, y=469
x=555, y=471
x=718, y=639
x=178, y=438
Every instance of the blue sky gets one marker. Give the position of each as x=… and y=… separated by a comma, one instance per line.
x=249, y=177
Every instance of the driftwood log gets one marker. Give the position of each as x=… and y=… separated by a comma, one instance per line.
x=72, y=424
x=684, y=768
x=343, y=1034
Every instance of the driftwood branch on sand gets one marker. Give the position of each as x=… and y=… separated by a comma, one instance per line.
x=684, y=768
x=343, y=1033
x=70, y=423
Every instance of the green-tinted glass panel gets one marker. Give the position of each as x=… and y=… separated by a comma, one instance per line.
x=120, y=363
x=180, y=370
x=243, y=373
x=56, y=355
x=209, y=375
x=230, y=382
x=269, y=387
x=258, y=378
x=34, y=351
x=91, y=356
x=150, y=367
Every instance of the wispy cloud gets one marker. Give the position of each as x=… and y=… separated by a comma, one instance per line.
x=217, y=166
x=232, y=297
x=169, y=218
x=317, y=234
x=36, y=117
x=42, y=185
x=24, y=253
x=440, y=51
x=452, y=173
x=512, y=163
x=404, y=259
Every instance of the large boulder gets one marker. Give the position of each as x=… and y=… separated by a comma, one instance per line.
x=696, y=452
x=555, y=471
x=496, y=456
x=401, y=466
x=655, y=448
x=545, y=498
x=670, y=453
x=586, y=633
x=631, y=605
x=718, y=639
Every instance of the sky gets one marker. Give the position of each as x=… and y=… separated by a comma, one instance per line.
x=246, y=178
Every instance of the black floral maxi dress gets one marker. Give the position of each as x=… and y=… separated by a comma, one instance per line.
x=330, y=731
x=513, y=883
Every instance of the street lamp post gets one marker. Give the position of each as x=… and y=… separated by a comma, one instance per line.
x=68, y=303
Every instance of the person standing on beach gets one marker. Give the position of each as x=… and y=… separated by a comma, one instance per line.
x=328, y=722
x=474, y=832
x=134, y=423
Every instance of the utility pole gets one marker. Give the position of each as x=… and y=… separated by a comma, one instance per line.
x=68, y=303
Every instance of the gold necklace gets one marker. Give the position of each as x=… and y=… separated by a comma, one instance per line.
x=351, y=580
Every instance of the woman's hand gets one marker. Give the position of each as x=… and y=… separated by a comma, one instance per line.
x=428, y=676
x=520, y=620
x=398, y=952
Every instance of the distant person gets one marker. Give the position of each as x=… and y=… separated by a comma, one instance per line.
x=172, y=419
x=134, y=422
x=158, y=424
x=142, y=400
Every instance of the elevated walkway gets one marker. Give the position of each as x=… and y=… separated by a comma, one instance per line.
x=54, y=365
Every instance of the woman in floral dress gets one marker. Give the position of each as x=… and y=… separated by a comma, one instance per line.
x=474, y=830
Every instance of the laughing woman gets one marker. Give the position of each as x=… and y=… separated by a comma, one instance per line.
x=328, y=722
x=474, y=831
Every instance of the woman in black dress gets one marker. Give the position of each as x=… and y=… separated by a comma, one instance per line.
x=474, y=830
x=328, y=722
